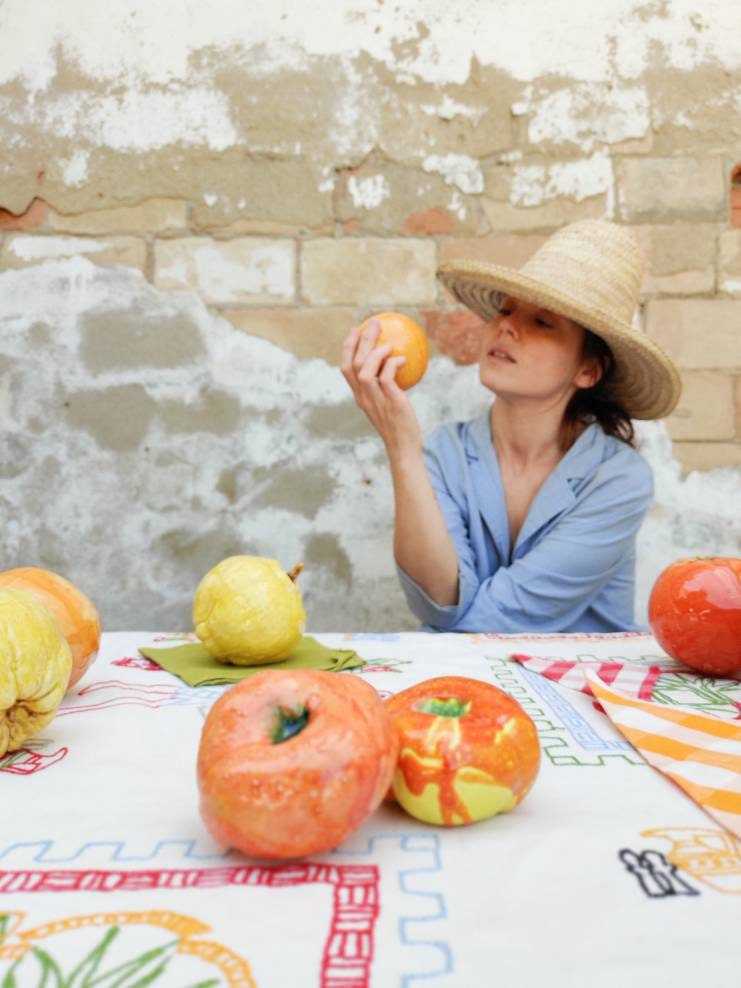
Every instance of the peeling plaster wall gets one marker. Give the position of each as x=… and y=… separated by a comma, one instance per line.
x=196, y=203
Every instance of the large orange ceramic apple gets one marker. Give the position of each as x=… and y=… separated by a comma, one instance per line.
x=467, y=750
x=77, y=616
x=292, y=761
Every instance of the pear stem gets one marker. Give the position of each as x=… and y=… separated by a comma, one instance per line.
x=293, y=573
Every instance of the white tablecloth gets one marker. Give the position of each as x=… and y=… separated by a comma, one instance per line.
x=606, y=875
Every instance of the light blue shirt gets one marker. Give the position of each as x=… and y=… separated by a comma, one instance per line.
x=573, y=564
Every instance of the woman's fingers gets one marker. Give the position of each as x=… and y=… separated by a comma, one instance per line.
x=387, y=377
x=366, y=343
x=372, y=363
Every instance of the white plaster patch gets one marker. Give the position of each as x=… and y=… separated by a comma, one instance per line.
x=457, y=169
x=508, y=156
x=456, y=206
x=269, y=272
x=154, y=70
x=449, y=108
x=578, y=180
x=135, y=119
x=147, y=42
x=74, y=168
x=367, y=193
x=176, y=272
x=30, y=248
x=7, y=422
x=730, y=286
x=586, y=114
x=354, y=114
x=210, y=199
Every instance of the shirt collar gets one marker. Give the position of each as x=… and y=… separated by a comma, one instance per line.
x=557, y=492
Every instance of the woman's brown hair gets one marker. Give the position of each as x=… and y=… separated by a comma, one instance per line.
x=597, y=402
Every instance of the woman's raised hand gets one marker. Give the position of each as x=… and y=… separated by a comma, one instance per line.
x=370, y=372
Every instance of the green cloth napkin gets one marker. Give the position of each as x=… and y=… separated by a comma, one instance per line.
x=193, y=664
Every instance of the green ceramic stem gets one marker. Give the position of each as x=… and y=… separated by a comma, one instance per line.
x=289, y=723
x=449, y=706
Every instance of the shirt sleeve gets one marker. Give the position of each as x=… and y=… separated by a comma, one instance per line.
x=554, y=583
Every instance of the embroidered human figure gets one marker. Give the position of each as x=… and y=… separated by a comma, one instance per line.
x=657, y=877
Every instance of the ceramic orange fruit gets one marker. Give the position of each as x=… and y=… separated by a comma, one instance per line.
x=407, y=339
x=467, y=750
x=78, y=618
x=292, y=761
x=695, y=613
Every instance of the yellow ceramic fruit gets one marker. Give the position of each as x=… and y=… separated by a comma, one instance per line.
x=248, y=611
x=35, y=665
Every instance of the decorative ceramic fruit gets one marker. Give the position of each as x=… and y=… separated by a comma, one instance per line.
x=695, y=613
x=407, y=339
x=292, y=761
x=35, y=663
x=248, y=611
x=75, y=612
x=467, y=750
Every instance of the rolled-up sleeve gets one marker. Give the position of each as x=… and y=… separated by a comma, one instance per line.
x=556, y=580
x=448, y=460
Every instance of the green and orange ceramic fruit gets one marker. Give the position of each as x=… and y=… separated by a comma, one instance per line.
x=467, y=750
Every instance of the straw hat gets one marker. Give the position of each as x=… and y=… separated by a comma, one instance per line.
x=591, y=272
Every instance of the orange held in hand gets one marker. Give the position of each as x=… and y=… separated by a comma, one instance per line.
x=467, y=750
x=292, y=761
x=407, y=339
x=76, y=614
x=695, y=613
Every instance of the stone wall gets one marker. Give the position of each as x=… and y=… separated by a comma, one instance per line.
x=196, y=210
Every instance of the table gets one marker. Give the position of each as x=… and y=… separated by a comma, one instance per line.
x=105, y=863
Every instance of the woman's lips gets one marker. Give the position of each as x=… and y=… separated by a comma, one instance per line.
x=500, y=357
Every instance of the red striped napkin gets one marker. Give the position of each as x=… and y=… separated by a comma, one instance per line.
x=632, y=679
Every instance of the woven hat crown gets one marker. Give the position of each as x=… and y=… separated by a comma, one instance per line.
x=595, y=262
x=589, y=271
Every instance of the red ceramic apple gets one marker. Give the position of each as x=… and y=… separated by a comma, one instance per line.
x=695, y=613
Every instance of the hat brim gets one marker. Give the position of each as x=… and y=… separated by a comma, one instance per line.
x=645, y=382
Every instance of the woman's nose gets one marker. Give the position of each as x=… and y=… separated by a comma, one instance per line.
x=507, y=323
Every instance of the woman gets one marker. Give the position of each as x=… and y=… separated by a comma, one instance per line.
x=525, y=518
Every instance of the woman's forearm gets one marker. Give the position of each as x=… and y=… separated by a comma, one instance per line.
x=423, y=547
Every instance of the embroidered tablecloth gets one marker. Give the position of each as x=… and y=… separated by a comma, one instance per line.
x=607, y=874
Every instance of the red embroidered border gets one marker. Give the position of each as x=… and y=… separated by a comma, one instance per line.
x=348, y=951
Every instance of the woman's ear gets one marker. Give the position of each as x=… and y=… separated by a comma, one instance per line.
x=590, y=373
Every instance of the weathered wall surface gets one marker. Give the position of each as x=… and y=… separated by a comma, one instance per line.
x=198, y=202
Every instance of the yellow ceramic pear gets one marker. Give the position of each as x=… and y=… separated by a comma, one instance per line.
x=35, y=666
x=248, y=611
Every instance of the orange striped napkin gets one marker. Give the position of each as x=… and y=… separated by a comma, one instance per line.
x=700, y=753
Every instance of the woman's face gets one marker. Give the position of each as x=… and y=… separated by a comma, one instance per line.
x=532, y=352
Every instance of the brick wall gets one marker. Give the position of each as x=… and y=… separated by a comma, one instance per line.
x=333, y=259
x=189, y=227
